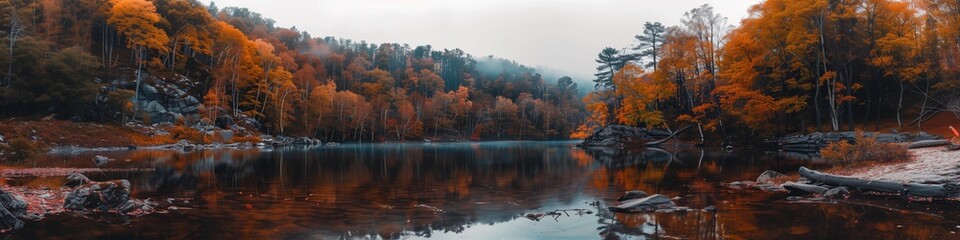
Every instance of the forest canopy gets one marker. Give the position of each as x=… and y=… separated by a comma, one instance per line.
x=791, y=66
x=94, y=60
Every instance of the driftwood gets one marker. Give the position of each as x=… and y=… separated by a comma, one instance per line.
x=929, y=143
x=909, y=189
x=672, y=135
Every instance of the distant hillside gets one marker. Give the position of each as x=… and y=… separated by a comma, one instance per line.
x=181, y=61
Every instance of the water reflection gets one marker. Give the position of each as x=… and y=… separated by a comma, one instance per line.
x=468, y=190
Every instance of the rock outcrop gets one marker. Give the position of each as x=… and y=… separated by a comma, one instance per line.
x=167, y=100
x=98, y=196
x=616, y=135
x=813, y=142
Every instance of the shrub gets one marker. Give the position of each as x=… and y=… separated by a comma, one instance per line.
x=180, y=132
x=243, y=139
x=19, y=149
x=864, y=149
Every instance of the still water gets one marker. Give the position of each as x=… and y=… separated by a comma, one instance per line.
x=480, y=190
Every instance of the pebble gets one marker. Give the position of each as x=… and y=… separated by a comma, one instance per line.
x=710, y=208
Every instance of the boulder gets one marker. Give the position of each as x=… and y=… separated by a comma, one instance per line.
x=77, y=179
x=615, y=135
x=98, y=196
x=634, y=194
x=12, y=208
x=13, y=204
x=101, y=160
x=8, y=221
x=767, y=177
x=837, y=192
x=648, y=204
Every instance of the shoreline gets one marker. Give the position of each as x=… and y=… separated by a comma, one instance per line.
x=928, y=165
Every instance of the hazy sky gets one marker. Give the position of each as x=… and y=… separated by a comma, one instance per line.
x=560, y=34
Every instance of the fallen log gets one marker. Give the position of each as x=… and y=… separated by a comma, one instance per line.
x=929, y=143
x=672, y=135
x=908, y=189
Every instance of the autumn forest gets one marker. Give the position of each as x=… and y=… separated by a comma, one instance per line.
x=791, y=66
x=282, y=80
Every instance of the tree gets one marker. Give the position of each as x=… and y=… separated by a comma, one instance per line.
x=69, y=87
x=14, y=34
x=136, y=20
x=189, y=23
x=320, y=105
x=898, y=51
x=649, y=42
x=505, y=114
x=641, y=92
x=610, y=61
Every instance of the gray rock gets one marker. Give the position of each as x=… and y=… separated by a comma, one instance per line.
x=130, y=206
x=614, y=135
x=8, y=221
x=634, y=194
x=767, y=177
x=647, y=204
x=609, y=142
x=803, y=189
x=77, y=179
x=226, y=135
x=13, y=204
x=101, y=160
x=98, y=196
x=710, y=208
x=837, y=192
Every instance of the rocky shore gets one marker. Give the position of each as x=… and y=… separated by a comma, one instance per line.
x=79, y=195
x=813, y=142
x=933, y=173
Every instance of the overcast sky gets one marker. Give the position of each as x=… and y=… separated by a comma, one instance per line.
x=560, y=34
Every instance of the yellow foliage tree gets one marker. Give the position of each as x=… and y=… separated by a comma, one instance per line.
x=640, y=93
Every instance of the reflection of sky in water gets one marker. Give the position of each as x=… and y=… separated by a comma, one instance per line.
x=484, y=189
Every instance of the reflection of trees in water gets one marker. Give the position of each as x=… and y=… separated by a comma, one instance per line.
x=374, y=189
x=691, y=173
x=747, y=214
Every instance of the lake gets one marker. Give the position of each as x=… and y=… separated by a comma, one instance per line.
x=482, y=190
